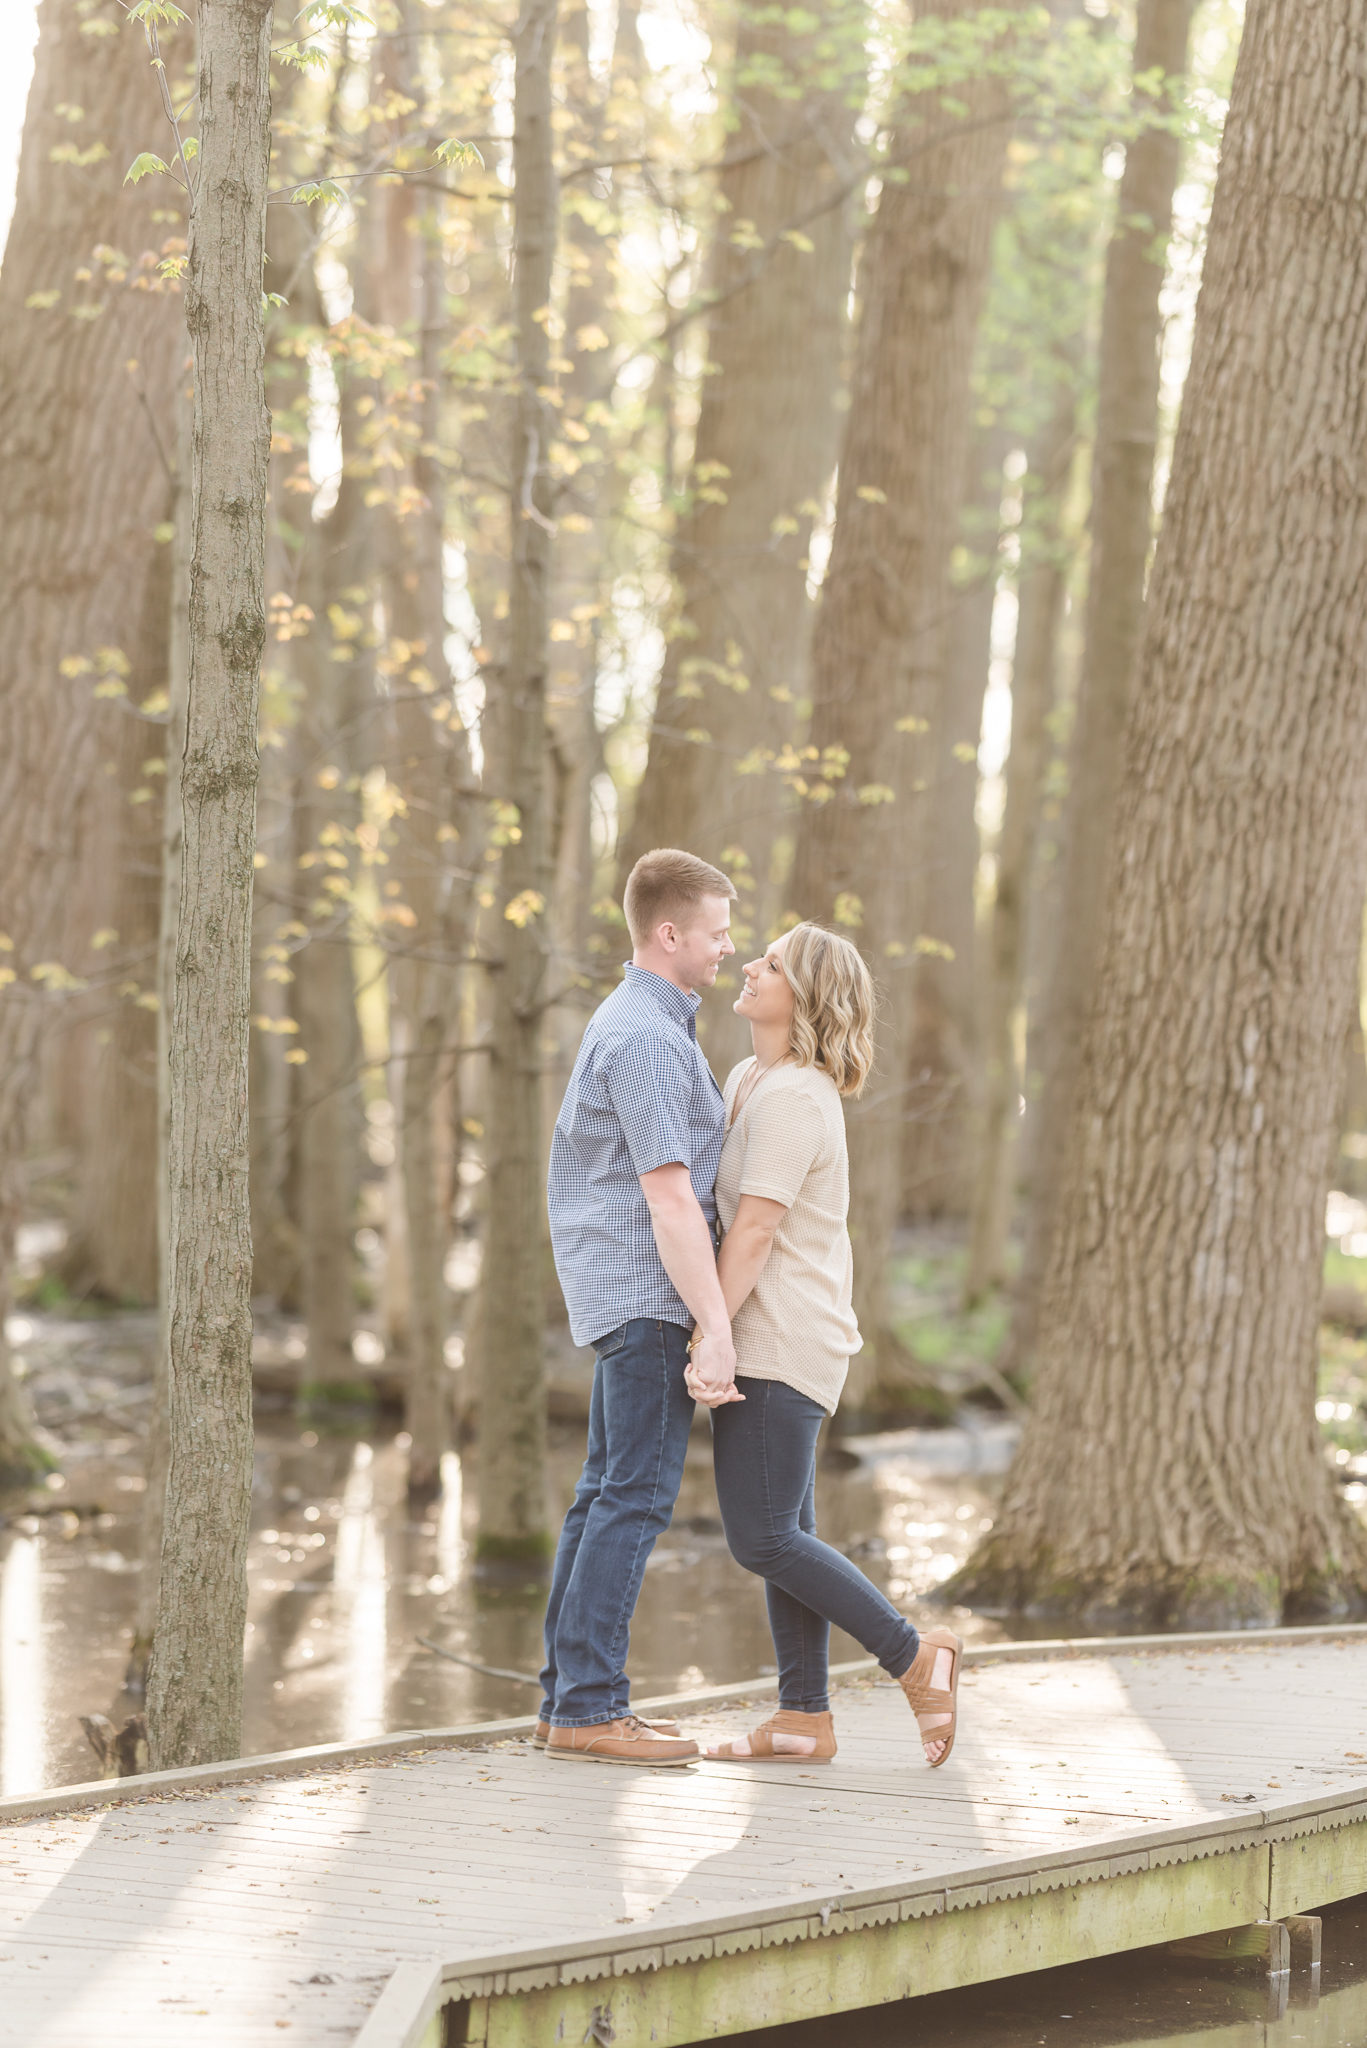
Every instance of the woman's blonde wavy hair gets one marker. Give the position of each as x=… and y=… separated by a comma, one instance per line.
x=833, y=1004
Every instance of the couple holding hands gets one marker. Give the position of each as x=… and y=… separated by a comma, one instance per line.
x=648, y=1157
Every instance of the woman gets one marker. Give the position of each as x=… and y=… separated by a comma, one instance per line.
x=786, y=1268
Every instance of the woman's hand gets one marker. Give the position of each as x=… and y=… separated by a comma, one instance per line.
x=710, y=1375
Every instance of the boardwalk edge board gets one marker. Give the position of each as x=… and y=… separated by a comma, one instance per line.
x=516, y=1973
x=320, y=1756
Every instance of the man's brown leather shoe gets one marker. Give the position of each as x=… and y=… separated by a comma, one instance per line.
x=543, y=1730
x=627, y=1741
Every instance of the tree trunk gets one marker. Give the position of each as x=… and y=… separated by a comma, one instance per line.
x=945, y=1057
x=737, y=659
x=334, y=667
x=585, y=563
x=157, y=1449
x=1172, y=1471
x=194, y=1691
x=328, y=1096
x=1042, y=589
x=878, y=654
x=435, y=828
x=512, y=1455
x=112, y=1249
x=1121, y=529
x=82, y=488
x=277, y=1082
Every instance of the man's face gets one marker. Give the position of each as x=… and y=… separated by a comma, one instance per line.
x=703, y=943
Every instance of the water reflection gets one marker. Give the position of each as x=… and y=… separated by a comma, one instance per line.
x=343, y=1580
x=358, y=1580
x=450, y=1543
x=23, y=1749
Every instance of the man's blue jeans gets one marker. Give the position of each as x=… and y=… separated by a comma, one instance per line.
x=639, y=1418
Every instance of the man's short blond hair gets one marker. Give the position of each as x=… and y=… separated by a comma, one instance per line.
x=666, y=886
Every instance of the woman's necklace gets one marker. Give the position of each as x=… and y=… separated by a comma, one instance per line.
x=749, y=1085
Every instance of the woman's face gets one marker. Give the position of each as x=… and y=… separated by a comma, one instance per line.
x=767, y=997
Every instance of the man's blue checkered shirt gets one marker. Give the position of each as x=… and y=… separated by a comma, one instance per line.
x=641, y=1096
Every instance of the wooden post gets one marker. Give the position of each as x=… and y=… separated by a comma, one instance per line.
x=1263, y=1945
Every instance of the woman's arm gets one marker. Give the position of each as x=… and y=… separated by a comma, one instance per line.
x=746, y=1246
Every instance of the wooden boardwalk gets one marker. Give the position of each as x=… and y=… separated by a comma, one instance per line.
x=1097, y=1800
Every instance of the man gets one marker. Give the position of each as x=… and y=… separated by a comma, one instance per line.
x=633, y=1161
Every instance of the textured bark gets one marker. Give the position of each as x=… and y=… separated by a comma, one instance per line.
x=194, y=1691
x=878, y=653
x=512, y=1452
x=1121, y=530
x=82, y=487
x=1172, y=1469
x=763, y=456
x=1043, y=586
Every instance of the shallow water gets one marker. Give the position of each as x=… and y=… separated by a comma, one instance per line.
x=343, y=1581
x=1149, y=1997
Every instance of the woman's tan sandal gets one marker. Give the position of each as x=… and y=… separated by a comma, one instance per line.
x=818, y=1728
x=924, y=1697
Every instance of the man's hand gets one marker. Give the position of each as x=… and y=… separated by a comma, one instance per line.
x=711, y=1374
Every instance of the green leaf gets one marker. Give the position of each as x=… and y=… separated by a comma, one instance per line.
x=157, y=13
x=324, y=189
x=334, y=14
x=189, y=149
x=462, y=154
x=269, y=299
x=70, y=153
x=303, y=56
x=143, y=167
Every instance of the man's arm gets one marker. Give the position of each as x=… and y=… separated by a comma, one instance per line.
x=684, y=1243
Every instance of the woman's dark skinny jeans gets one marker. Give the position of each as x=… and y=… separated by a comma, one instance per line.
x=764, y=1452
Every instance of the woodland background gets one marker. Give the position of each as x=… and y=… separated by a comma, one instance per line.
x=779, y=477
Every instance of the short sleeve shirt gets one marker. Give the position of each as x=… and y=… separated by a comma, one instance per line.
x=641, y=1095
x=788, y=1145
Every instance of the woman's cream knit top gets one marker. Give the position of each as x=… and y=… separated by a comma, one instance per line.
x=788, y=1144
